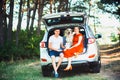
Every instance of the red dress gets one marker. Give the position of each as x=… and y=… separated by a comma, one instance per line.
x=78, y=49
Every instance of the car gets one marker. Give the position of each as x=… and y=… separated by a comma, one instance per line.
x=63, y=20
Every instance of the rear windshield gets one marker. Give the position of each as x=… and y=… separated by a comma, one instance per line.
x=64, y=20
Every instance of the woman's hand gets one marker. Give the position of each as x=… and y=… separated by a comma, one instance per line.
x=65, y=49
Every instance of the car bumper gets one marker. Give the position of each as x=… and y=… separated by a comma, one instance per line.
x=75, y=64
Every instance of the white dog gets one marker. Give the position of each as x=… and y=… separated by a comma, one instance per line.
x=69, y=37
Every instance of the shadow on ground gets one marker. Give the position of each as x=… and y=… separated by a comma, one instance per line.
x=76, y=71
x=110, y=58
x=110, y=49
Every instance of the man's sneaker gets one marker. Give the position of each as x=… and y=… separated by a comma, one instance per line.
x=56, y=75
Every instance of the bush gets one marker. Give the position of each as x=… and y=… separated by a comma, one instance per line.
x=114, y=37
x=28, y=46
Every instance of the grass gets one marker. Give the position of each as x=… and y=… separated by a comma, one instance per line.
x=19, y=70
x=30, y=70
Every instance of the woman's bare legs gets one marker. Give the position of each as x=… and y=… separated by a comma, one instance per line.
x=69, y=62
x=69, y=66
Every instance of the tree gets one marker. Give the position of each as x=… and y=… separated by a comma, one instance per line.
x=80, y=6
x=110, y=6
x=51, y=3
x=63, y=5
x=8, y=49
x=9, y=37
x=40, y=12
x=19, y=22
x=33, y=16
x=28, y=14
x=1, y=22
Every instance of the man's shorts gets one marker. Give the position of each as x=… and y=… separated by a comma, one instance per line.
x=55, y=53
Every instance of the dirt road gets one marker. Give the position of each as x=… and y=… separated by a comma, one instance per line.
x=110, y=59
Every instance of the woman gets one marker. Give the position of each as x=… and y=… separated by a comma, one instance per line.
x=77, y=47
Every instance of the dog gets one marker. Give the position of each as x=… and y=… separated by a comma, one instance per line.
x=68, y=34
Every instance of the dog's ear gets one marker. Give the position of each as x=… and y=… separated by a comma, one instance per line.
x=65, y=33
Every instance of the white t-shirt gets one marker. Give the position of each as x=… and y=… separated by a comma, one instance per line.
x=56, y=41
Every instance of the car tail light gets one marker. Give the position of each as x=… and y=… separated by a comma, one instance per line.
x=91, y=40
x=42, y=44
x=43, y=60
x=91, y=56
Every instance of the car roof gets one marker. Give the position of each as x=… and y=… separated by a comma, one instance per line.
x=53, y=15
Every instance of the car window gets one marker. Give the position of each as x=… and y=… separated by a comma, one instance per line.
x=64, y=20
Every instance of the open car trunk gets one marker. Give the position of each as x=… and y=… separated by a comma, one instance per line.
x=62, y=30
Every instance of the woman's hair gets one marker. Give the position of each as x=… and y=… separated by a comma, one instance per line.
x=77, y=27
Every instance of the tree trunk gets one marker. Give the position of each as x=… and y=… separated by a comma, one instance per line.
x=51, y=2
x=40, y=11
x=19, y=23
x=1, y=23
x=33, y=16
x=9, y=35
x=28, y=14
x=66, y=3
x=54, y=2
x=69, y=5
x=63, y=5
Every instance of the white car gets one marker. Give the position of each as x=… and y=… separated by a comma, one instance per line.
x=64, y=20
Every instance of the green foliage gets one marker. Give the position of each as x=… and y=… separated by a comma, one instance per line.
x=114, y=37
x=28, y=46
x=110, y=6
x=80, y=6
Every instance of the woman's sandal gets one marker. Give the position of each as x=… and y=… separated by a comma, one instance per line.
x=68, y=69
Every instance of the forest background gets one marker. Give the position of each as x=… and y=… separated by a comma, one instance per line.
x=21, y=29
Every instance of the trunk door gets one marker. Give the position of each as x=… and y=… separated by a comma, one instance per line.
x=64, y=19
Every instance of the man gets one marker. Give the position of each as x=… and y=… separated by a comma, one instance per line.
x=55, y=44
